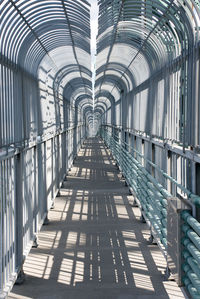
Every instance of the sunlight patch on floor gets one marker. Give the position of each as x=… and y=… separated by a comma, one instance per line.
x=72, y=269
x=143, y=281
x=118, y=199
x=65, y=273
x=159, y=260
x=39, y=265
x=71, y=239
x=80, y=211
x=82, y=239
x=129, y=234
x=137, y=261
x=121, y=212
x=49, y=239
x=79, y=272
x=172, y=290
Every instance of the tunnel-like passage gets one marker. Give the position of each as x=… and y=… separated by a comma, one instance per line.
x=95, y=245
x=144, y=105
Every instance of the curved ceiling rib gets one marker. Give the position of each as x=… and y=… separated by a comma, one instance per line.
x=72, y=39
x=49, y=38
x=148, y=35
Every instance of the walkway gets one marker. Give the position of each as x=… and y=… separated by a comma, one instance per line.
x=95, y=246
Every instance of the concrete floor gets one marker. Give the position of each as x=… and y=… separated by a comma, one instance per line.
x=95, y=246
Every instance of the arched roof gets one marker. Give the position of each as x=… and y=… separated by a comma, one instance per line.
x=31, y=29
x=49, y=38
x=137, y=38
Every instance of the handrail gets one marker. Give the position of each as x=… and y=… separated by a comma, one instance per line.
x=153, y=201
x=194, y=198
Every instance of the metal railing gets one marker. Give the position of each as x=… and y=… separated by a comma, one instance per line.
x=29, y=182
x=152, y=199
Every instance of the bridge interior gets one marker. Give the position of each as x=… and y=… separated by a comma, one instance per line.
x=95, y=245
x=144, y=110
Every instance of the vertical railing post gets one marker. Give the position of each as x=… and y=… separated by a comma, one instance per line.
x=19, y=217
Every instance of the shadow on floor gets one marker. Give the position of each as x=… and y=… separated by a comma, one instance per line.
x=95, y=246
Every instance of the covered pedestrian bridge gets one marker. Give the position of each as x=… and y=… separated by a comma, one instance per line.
x=111, y=166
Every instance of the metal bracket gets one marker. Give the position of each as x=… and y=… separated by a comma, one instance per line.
x=168, y=274
x=35, y=242
x=152, y=240
x=20, y=277
x=134, y=204
x=142, y=219
x=53, y=205
x=46, y=221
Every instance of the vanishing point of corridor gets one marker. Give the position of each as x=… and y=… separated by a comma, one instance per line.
x=95, y=245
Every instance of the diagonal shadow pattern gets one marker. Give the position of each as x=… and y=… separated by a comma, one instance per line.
x=95, y=246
